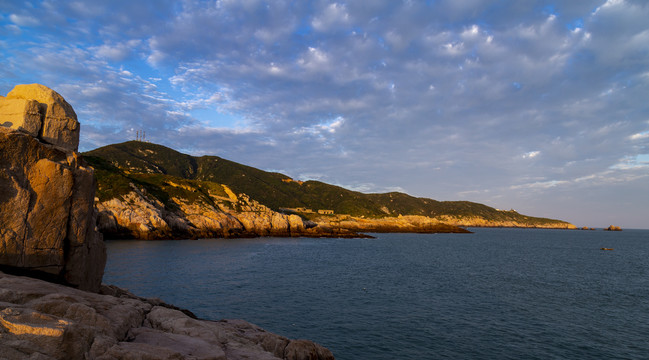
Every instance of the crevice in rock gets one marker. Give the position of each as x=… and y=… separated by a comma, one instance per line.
x=68, y=226
x=31, y=202
x=42, y=109
x=284, y=350
x=32, y=272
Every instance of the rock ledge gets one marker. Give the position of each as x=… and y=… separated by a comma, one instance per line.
x=41, y=320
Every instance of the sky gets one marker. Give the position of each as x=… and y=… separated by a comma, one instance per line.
x=537, y=106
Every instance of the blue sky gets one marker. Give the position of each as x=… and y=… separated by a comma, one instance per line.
x=540, y=106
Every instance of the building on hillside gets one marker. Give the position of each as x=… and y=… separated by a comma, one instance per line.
x=297, y=210
x=306, y=211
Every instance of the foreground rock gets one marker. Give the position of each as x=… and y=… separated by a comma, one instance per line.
x=41, y=320
x=47, y=222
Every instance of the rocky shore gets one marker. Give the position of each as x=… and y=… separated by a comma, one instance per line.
x=48, y=232
x=475, y=221
x=42, y=320
x=424, y=224
x=139, y=215
x=400, y=224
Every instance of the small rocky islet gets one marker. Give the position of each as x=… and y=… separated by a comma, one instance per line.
x=52, y=302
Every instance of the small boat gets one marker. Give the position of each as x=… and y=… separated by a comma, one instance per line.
x=606, y=248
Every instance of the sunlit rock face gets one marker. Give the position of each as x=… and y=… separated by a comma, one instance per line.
x=21, y=114
x=45, y=114
x=47, y=218
x=140, y=215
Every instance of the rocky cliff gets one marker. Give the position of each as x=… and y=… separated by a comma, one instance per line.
x=47, y=223
x=166, y=207
x=139, y=214
x=45, y=321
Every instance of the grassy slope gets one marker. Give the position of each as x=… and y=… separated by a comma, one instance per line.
x=119, y=163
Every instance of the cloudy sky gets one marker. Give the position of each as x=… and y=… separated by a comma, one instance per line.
x=540, y=106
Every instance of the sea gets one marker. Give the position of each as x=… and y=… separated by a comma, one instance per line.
x=498, y=293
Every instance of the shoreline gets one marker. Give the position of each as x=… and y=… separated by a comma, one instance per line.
x=347, y=234
x=56, y=321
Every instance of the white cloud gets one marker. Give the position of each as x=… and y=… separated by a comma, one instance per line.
x=609, y=4
x=314, y=59
x=454, y=48
x=531, y=154
x=640, y=135
x=24, y=20
x=634, y=162
x=324, y=128
x=117, y=52
x=471, y=31
x=334, y=15
x=542, y=185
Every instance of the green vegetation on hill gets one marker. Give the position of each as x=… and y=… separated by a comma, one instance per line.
x=113, y=182
x=119, y=164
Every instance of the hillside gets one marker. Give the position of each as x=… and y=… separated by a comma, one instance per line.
x=278, y=191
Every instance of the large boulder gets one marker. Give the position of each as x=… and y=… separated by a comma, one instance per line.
x=57, y=123
x=47, y=216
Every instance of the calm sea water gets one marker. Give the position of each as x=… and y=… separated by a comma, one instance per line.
x=494, y=294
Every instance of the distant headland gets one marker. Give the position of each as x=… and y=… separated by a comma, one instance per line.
x=149, y=191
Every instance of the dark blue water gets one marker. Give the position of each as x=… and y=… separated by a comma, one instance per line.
x=495, y=294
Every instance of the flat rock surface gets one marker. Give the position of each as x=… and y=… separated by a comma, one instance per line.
x=42, y=320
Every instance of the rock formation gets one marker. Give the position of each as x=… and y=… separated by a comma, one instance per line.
x=478, y=221
x=41, y=320
x=140, y=215
x=45, y=114
x=613, y=228
x=47, y=192
x=424, y=224
x=400, y=224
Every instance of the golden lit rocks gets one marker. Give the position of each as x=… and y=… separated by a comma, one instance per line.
x=476, y=221
x=139, y=215
x=423, y=224
x=41, y=320
x=20, y=114
x=613, y=228
x=407, y=223
x=134, y=213
x=41, y=112
x=47, y=220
